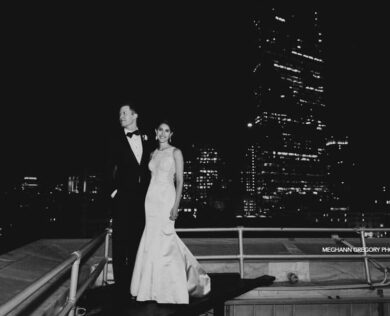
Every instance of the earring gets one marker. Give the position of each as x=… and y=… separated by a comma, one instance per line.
x=156, y=137
x=170, y=139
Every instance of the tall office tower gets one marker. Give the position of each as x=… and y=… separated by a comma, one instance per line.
x=209, y=173
x=188, y=203
x=248, y=181
x=380, y=208
x=339, y=171
x=374, y=206
x=288, y=119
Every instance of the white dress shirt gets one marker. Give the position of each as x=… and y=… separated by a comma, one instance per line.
x=135, y=144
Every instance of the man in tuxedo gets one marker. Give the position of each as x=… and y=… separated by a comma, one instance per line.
x=128, y=180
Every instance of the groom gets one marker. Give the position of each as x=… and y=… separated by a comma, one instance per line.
x=128, y=179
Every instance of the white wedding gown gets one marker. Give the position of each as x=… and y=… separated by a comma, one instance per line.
x=165, y=270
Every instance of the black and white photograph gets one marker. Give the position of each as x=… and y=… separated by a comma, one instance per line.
x=195, y=159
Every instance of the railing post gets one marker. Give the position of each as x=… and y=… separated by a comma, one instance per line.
x=73, y=282
x=367, y=269
x=106, y=248
x=241, y=249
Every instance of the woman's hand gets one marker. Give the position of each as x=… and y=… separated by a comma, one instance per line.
x=174, y=214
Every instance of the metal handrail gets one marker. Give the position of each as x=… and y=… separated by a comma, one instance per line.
x=67, y=309
x=241, y=256
x=33, y=288
x=283, y=229
x=72, y=262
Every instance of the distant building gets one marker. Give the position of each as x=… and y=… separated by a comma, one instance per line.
x=93, y=184
x=90, y=184
x=59, y=187
x=189, y=186
x=375, y=208
x=204, y=174
x=29, y=183
x=381, y=199
x=209, y=172
x=28, y=192
x=75, y=185
x=249, y=177
x=285, y=169
x=339, y=170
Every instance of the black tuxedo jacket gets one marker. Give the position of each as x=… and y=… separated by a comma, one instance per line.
x=131, y=180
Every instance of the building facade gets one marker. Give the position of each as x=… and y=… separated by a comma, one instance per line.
x=285, y=169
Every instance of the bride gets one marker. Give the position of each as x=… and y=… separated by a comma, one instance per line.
x=165, y=270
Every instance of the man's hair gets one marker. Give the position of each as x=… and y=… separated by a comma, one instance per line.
x=132, y=106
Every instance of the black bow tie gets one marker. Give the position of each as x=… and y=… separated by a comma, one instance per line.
x=130, y=134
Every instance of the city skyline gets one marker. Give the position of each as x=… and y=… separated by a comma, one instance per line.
x=64, y=83
x=279, y=112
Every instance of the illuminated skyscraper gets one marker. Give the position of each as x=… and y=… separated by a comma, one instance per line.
x=287, y=126
x=339, y=170
x=203, y=171
x=188, y=204
x=90, y=184
x=339, y=165
x=75, y=184
x=248, y=179
x=209, y=172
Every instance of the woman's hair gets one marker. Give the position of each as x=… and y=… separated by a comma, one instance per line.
x=166, y=122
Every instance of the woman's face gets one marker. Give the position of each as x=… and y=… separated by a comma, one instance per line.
x=163, y=133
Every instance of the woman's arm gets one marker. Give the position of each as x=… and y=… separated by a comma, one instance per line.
x=179, y=164
x=151, y=155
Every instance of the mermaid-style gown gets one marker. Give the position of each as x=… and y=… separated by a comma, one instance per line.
x=165, y=270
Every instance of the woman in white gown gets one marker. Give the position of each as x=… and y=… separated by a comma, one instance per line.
x=165, y=270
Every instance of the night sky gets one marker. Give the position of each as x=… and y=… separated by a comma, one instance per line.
x=66, y=71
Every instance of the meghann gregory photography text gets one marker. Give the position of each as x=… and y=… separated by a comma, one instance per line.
x=381, y=249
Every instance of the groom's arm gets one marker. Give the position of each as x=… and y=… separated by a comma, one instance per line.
x=111, y=169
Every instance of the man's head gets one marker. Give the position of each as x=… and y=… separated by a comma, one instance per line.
x=128, y=116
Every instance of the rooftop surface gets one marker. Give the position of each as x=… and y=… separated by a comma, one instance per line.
x=21, y=267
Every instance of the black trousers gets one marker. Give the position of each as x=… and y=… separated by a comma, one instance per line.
x=124, y=254
x=128, y=225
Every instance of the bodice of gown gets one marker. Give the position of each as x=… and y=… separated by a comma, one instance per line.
x=162, y=166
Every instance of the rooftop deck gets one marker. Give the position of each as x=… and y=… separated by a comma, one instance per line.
x=318, y=279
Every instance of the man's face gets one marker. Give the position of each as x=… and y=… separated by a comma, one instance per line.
x=127, y=117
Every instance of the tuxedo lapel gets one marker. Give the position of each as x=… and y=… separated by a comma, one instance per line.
x=144, y=150
x=131, y=152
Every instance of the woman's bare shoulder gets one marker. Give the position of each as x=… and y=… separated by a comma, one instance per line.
x=176, y=150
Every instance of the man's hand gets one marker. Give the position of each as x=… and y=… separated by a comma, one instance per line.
x=113, y=193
